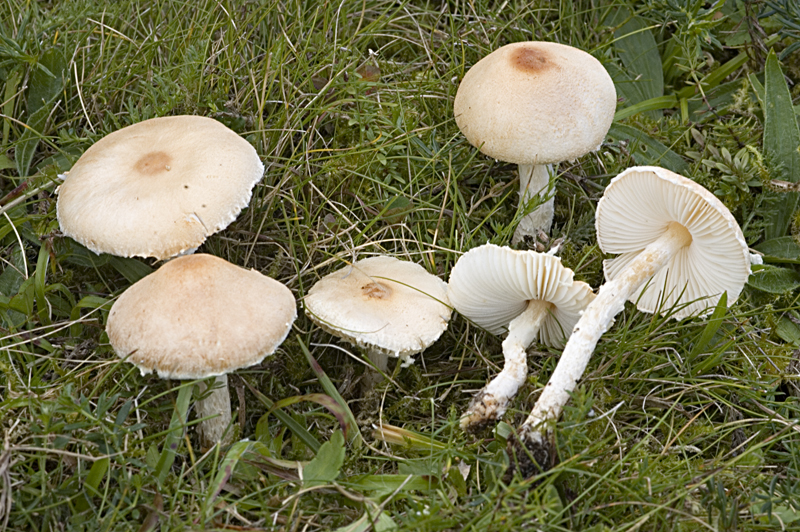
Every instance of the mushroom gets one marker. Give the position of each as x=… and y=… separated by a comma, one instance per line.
x=680, y=249
x=529, y=294
x=158, y=188
x=389, y=307
x=199, y=316
x=535, y=104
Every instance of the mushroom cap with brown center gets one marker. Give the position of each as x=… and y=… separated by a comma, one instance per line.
x=158, y=188
x=536, y=103
x=395, y=307
x=492, y=285
x=199, y=316
x=639, y=205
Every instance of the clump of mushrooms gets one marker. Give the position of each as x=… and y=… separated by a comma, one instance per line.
x=158, y=188
x=199, y=316
x=389, y=307
x=532, y=295
x=679, y=249
x=535, y=104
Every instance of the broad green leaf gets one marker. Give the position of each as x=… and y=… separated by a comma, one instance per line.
x=75, y=253
x=774, y=280
x=638, y=50
x=788, y=331
x=781, y=249
x=96, y=474
x=646, y=150
x=396, y=209
x=131, y=269
x=92, y=482
x=386, y=484
x=326, y=465
x=46, y=85
x=367, y=522
x=6, y=163
x=12, y=276
x=781, y=140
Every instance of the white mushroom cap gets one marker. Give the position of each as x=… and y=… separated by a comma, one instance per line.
x=638, y=207
x=395, y=307
x=492, y=285
x=158, y=188
x=198, y=316
x=536, y=103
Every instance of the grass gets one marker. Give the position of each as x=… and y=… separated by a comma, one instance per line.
x=688, y=425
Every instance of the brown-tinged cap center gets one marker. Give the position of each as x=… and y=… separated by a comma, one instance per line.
x=375, y=290
x=531, y=60
x=153, y=163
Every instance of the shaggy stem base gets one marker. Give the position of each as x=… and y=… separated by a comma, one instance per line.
x=491, y=402
x=596, y=320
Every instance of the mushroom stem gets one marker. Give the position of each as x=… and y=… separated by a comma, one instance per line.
x=372, y=377
x=491, y=402
x=216, y=407
x=534, y=179
x=596, y=320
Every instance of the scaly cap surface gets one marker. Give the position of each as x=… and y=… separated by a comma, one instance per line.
x=382, y=303
x=158, y=188
x=536, y=103
x=199, y=316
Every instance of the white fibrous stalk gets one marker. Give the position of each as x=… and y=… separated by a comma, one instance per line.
x=490, y=403
x=534, y=179
x=372, y=377
x=596, y=320
x=216, y=407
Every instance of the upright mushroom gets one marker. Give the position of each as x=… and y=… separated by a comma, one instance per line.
x=680, y=249
x=389, y=307
x=158, y=188
x=199, y=316
x=535, y=104
x=530, y=294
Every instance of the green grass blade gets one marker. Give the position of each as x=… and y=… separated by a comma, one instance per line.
x=711, y=329
x=653, y=104
x=646, y=150
x=176, y=427
x=330, y=389
x=296, y=428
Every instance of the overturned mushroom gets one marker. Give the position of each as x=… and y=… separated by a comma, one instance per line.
x=387, y=306
x=535, y=104
x=680, y=249
x=199, y=316
x=531, y=295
